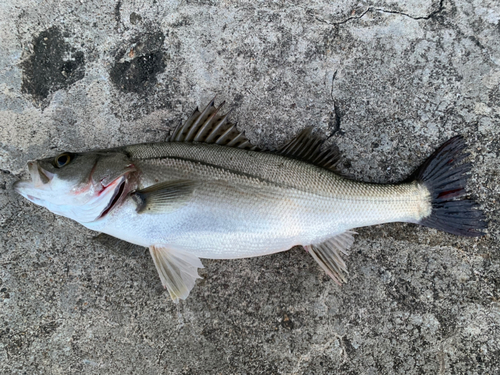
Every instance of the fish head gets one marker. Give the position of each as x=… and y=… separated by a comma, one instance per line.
x=81, y=186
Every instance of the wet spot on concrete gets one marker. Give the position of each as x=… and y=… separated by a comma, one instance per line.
x=53, y=65
x=136, y=67
x=139, y=73
x=135, y=18
x=286, y=322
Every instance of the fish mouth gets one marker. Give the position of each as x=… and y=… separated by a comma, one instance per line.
x=119, y=192
x=39, y=176
x=44, y=175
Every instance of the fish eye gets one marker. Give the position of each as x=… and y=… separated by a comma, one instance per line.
x=62, y=160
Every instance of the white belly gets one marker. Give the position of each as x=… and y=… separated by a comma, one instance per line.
x=228, y=224
x=224, y=229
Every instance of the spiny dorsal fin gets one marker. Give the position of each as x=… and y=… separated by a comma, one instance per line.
x=163, y=197
x=307, y=147
x=210, y=126
x=327, y=254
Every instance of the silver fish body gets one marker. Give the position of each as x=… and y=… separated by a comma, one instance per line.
x=207, y=193
x=249, y=203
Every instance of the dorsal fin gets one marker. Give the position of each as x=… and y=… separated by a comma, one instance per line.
x=209, y=126
x=306, y=146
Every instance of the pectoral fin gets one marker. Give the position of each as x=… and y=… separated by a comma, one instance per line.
x=327, y=254
x=177, y=270
x=164, y=196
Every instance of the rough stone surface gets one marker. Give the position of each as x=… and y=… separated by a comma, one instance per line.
x=395, y=78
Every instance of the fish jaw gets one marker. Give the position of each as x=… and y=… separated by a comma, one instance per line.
x=81, y=203
x=38, y=184
x=39, y=176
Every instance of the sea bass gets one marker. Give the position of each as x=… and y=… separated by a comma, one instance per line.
x=207, y=192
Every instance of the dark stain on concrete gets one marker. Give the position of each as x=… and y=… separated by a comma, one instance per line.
x=53, y=65
x=117, y=12
x=136, y=68
x=135, y=18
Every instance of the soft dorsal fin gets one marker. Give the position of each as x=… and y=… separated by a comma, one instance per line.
x=209, y=126
x=306, y=146
x=328, y=255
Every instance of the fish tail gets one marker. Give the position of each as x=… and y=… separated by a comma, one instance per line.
x=445, y=176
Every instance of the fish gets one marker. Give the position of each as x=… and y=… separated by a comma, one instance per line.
x=208, y=192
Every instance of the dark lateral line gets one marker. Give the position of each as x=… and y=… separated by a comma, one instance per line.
x=240, y=174
x=243, y=174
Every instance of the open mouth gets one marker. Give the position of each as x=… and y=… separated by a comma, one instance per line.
x=38, y=175
x=116, y=197
x=43, y=174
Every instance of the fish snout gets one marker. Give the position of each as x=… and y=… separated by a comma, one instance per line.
x=22, y=186
x=39, y=176
x=18, y=186
x=27, y=190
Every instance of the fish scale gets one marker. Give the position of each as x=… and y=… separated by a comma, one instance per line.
x=183, y=159
x=284, y=208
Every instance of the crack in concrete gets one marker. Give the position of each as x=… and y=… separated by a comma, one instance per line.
x=117, y=14
x=389, y=11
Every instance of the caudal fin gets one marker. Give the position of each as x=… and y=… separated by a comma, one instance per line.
x=445, y=175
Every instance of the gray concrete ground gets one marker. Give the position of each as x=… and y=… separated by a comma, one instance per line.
x=397, y=77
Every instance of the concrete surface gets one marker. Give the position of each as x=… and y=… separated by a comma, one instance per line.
x=397, y=77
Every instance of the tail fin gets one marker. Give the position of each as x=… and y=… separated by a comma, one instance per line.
x=444, y=174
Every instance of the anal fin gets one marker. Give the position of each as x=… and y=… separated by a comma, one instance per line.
x=328, y=255
x=178, y=270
